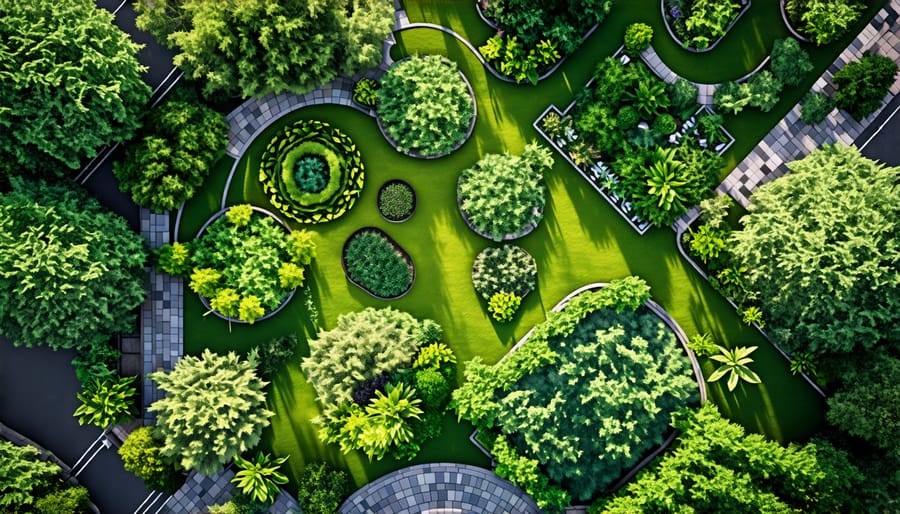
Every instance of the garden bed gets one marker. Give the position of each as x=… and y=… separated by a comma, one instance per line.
x=396, y=201
x=384, y=270
x=702, y=42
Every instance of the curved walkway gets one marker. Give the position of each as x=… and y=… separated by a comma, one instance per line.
x=444, y=488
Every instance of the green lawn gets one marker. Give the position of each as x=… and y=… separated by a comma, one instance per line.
x=581, y=240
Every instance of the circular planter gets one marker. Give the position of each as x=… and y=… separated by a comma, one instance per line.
x=787, y=23
x=459, y=144
x=383, y=188
x=205, y=301
x=745, y=5
x=520, y=293
x=527, y=229
x=396, y=246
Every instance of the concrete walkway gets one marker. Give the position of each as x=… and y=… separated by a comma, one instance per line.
x=792, y=139
x=444, y=488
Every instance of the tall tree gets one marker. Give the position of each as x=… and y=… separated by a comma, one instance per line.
x=256, y=47
x=213, y=411
x=71, y=272
x=821, y=247
x=70, y=83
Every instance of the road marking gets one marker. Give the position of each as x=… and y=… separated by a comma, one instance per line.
x=880, y=128
x=119, y=7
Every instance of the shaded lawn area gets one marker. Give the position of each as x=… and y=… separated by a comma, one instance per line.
x=581, y=240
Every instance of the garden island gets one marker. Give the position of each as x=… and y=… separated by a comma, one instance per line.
x=479, y=256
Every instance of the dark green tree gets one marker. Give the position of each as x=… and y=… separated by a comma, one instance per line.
x=820, y=245
x=257, y=47
x=173, y=155
x=70, y=83
x=71, y=272
x=862, y=85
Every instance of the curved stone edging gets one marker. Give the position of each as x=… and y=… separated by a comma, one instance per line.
x=378, y=200
x=679, y=234
x=445, y=488
x=745, y=6
x=205, y=301
x=397, y=247
x=460, y=143
x=787, y=23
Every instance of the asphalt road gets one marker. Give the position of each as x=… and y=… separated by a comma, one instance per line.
x=885, y=145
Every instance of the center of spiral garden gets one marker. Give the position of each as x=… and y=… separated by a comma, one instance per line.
x=311, y=173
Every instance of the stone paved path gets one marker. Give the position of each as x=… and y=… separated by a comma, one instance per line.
x=200, y=492
x=792, y=139
x=162, y=314
x=439, y=488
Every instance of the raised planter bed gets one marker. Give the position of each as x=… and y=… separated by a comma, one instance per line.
x=667, y=14
x=394, y=188
x=787, y=23
x=401, y=253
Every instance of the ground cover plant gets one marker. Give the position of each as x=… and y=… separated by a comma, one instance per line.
x=71, y=272
x=823, y=21
x=505, y=270
x=245, y=264
x=312, y=172
x=381, y=376
x=178, y=145
x=542, y=401
x=374, y=262
x=502, y=196
x=699, y=24
x=253, y=48
x=425, y=106
x=70, y=83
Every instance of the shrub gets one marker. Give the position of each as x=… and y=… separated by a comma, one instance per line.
x=175, y=259
x=395, y=201
x=69, y=500
x=22, y=475
x=862, y=85
x=664, y=124
x=366, y=389
x=311, y=174
x=433, y=389
x=707, y=20
x=732, y=97
x=239, y=263
x=503, y=306
x=790, y=63
x=321, y=489
x=628, y=117
x=424, y=105
x=434, y=356
x=429, y=332
x=99, y=361
x=503, y=195
x=173, y=154
x=319, y=140
x=259, y=479
x=106, y=402
x=683, y=98
x=141, y=454
x=824, y=20
x=637, y=38
x=506, y=268
x=703, y=345
x=709, y=126
x=554, y=125
x=764, y=90
x=377, y=264
x=515, y=60
x=564, y=21
x=365, y=92
x=274, y=353
x=708, y=244
x=714, y=211
x=815, y=107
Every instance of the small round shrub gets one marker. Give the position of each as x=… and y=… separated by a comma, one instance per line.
x=377, y=264
x=322, y=489
x=506, y=268
x=141, y=455
x=311, y=173
x=862, y=85
x=433, y=389
x=637, y=38
x=628, y=117
x=365, y=91
x=815, y=108
x=429, y=332
x=503, y=306
x=396, y=201
x=424, y=105
x=664, y=124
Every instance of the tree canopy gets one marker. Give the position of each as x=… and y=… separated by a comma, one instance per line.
x=22, y=475
x=71, y=272
x=820, y=245
x=257, y=47
x=213, y=410
x=70, y=82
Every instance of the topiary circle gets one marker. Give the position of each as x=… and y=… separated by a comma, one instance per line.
x=312, y=139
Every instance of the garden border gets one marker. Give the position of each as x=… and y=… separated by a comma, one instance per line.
x=406, y=257
x=745, y=6
x=393, y=181
x=664, y=316
x=460, y=143
x=205, y=301
x=787, y=23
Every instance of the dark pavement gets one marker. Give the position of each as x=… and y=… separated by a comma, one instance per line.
x=37, y=399
x=885, y=145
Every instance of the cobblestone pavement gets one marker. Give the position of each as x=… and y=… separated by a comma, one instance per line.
x=444, y=488
x=200, y=492
x=792, y=139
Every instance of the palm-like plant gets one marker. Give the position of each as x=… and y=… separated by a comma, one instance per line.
x=752, y=315
x=649, y=97
x=664, y=180
x=387, y=419
x=106, y=402
x=259, y=479
x=734, y=364
x=805, y=363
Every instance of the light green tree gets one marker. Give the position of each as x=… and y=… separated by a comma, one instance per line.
x=259, y=478
x=213, y=410
x=141, y=454
x=22, y=475
x=70, y=83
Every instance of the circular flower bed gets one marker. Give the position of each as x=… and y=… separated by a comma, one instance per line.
x=426, y=108
x=246, y=264
x=504, y=276
x=376, y=264
x=396, y=201
x=312, y=172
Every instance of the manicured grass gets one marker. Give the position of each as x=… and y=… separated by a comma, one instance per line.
x=581, y=240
